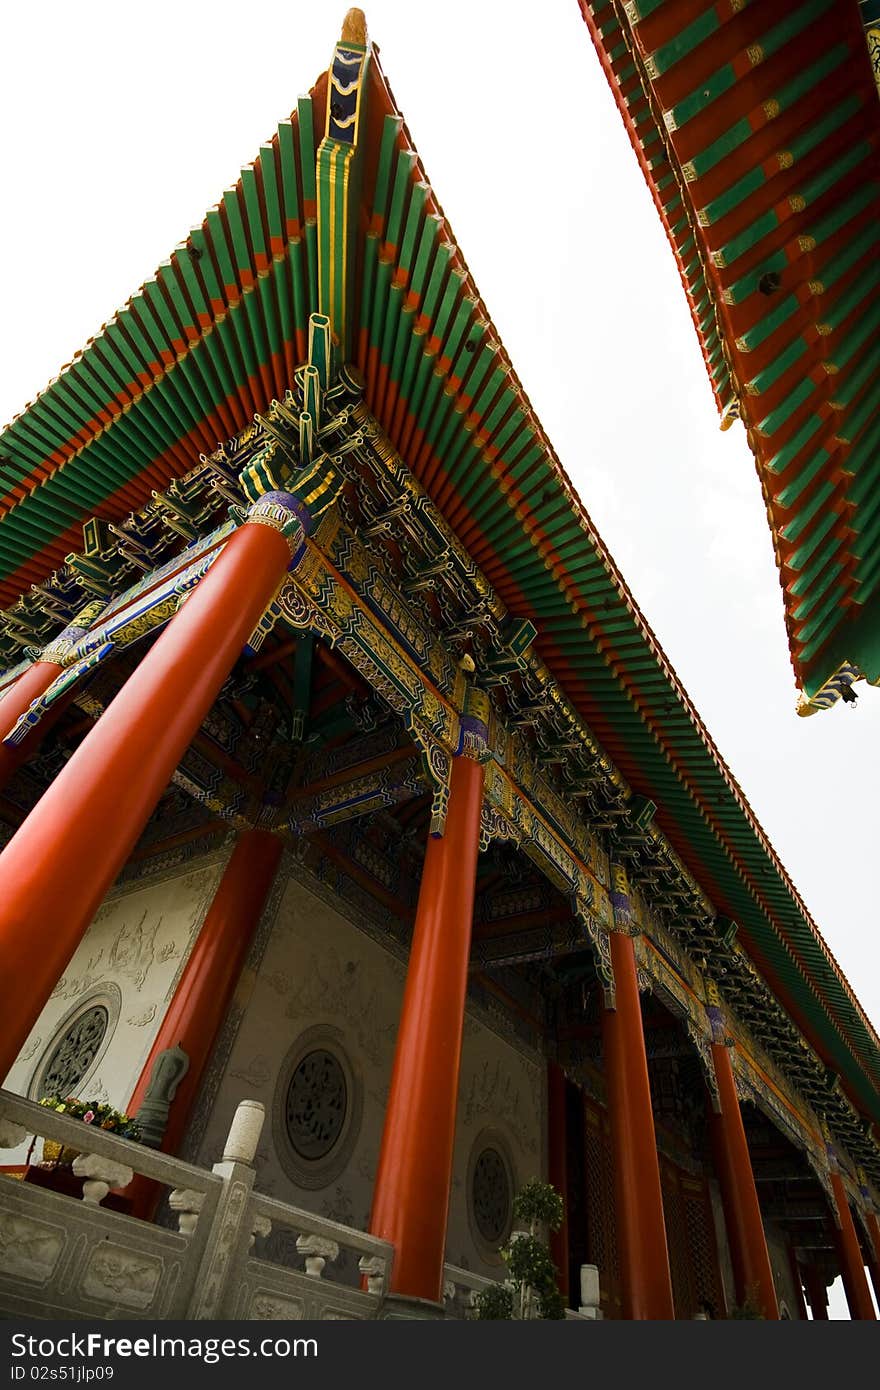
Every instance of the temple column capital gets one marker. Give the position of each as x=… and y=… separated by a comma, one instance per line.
x=716, y=1015
x=624, y=921
x=474, y=723
x=284, y=513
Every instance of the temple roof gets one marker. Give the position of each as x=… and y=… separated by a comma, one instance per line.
x=757, y=127
x=218, y=333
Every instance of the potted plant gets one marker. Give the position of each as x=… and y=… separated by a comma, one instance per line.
x=530, y=1289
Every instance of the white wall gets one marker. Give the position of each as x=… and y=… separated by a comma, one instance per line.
x=319, y=972
x=134, y=951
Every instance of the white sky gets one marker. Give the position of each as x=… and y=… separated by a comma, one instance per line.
x=120, y=124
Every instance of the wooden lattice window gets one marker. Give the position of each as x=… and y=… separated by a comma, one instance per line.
x=601, y=1217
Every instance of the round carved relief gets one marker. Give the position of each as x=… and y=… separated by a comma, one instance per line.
x=491, y=1196
x=78, y=1044
x=316, y=1111
x=491, y=1185
x=317, y=1102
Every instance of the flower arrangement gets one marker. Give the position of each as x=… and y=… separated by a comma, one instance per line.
x=94, y=1112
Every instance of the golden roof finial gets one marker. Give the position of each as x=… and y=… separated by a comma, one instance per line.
x=730, y=413
x=354, y=28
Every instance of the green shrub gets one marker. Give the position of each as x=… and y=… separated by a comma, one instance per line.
x=530, y=1289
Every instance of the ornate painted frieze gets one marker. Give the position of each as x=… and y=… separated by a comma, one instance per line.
x=762, y=1083
x=373, y=791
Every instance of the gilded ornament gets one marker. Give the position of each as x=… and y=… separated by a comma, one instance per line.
x=281, y=512
x=619, y=880
x=713, y=996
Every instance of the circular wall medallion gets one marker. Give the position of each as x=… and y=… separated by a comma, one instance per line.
x=77, y=1045
x=316, y=1110
x=491, y=1197
x=491, y=1186
x=317, y=1103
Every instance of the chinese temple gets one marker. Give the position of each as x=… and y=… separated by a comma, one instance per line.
x=347, y=798
x=757, y=128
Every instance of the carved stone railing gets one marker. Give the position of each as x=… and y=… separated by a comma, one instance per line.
x=64, y=1257
x=60, y=1257
x=235, y=1254
x=334, y=1261
x=460, y=1287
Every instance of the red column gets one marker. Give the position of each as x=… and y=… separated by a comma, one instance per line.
x=557, y=1168
x=752, y=1273
x=817, y=1292
x=411, y=1196
x=641, y=1232
x=58, y=867
x=852, y=1265
x=208, y=982
x=874, y=1264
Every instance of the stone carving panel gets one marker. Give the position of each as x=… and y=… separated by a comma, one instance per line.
x=264, y=1307
x=316, y=1111
x=491, y=1196
x=30, y=1249
x=494, y=1091
x=119, y=1276
x=73, y=1054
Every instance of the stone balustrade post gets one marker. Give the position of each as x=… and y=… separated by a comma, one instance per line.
x=590, y=1294
x=373, y=1269
x=317, y=1251
x=234, y=1226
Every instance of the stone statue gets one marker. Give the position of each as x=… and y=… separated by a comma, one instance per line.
x=169, y=1069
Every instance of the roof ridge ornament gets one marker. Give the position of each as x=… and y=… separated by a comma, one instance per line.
x=354, y=28
x=337, y=171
